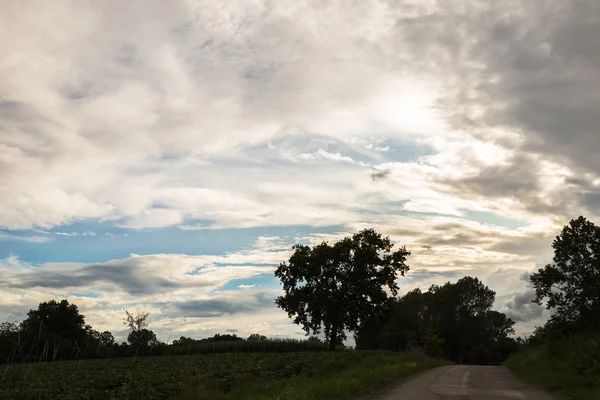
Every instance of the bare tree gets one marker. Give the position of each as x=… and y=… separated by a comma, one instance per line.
x=136, y=322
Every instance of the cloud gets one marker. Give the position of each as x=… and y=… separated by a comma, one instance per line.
x=177, y=120
x=520, y=307
x=273, y=115
x=221, y=305
x=141, y=275
x=29, y=239
x=377, y=174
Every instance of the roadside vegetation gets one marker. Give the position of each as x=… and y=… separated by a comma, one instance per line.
x=563, y=356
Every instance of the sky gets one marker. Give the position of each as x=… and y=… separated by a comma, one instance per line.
x=165, y=156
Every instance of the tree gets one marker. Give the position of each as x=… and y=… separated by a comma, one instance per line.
x=55, y=330
x=184, y=341
x=60, y=318
x=255, y=337
x=137, y=321
x=9, y=342
x=140, y=338
x=341, y=286
x=497, y=326
x=433, y=344
x=456, y=311
x=107, y=339
x=454, y=320
x=571, y=284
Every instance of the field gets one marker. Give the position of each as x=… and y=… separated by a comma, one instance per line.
x=310, y=375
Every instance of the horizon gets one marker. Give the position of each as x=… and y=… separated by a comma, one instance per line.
x=166, y=157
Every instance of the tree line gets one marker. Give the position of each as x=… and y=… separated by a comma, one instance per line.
x=56, y=331
x=454, y=321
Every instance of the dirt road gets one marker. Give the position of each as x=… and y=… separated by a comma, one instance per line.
x=465, y=382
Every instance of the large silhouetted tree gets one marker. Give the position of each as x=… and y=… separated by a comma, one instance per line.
x=60, y=318
x=571, y=284
x=339, y=287
x=55, y=330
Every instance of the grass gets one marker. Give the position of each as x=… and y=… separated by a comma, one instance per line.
x=568, y=367
x=310, y=375
x=371, y=374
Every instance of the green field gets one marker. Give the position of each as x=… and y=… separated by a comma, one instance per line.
x=311, y=375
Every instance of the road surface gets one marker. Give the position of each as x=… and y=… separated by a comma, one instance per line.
x=464, y=382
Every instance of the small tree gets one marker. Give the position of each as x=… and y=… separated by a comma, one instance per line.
x=433, y=344
x=571, y=284
x=140, y=338
x=341, y=286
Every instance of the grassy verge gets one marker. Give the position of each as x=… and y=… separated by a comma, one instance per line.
x=569, y=368
x=370, y=374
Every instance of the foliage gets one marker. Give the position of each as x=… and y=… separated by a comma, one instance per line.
x=255, y=337
x=433, y=344
x=10, y=341
x=106, y=338
x=563, y=355
x=202, y=376
x=339, y=287
x=142, y=340
x=61, y=318
x=568, y=364
x=460, y=315
x=571, y=284
x=56, y=330
x=137, y=321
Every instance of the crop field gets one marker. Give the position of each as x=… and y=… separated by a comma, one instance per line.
x=203, y=376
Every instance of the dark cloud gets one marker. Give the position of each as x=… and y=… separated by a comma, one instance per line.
x=520, y=179
x=379, y=174
x=538, y=243
x=128, y=275
x=461, y=239
x=529, y=68
x=219, y=307
x=520, y=307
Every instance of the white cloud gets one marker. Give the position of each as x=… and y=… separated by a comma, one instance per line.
x=196, y=87
x=256, y=115
x=29, y=239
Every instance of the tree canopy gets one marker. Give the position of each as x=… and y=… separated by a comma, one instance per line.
x=454, y=320
x=60, y=318
x=571, y=284
x=333, y=288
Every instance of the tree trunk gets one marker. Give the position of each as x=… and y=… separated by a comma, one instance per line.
x=333, y=337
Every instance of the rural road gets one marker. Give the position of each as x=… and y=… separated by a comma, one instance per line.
x=465, y=382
